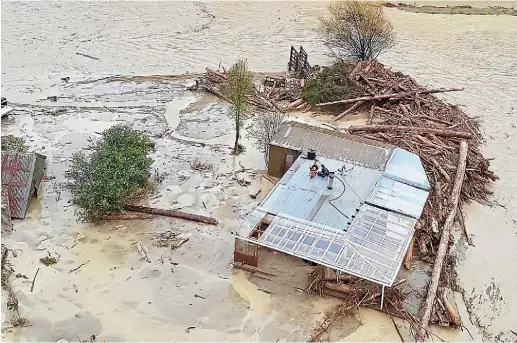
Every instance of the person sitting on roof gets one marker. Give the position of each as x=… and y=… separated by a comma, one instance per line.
x=313, y=171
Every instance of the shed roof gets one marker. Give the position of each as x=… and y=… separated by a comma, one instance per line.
x=297, y=195
x=21, y=174
x=333, y=144
x=362, y=225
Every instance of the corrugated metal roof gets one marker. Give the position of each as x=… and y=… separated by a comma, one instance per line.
x=333, y=144
x=297, y=195
x=407, y=168
x=362, y=226
x=6, y=110
x=398, y=197
x=18, y=179
x=6, y=213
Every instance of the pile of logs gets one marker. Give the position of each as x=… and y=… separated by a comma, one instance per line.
x=404, y=114
x=213, y=81
x=357, y=292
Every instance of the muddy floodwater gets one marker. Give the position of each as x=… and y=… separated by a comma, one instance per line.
x=191, y=293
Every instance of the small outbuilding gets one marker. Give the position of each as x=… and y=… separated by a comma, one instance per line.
x=22, y=173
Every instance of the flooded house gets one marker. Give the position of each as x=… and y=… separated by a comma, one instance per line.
x=342, y=202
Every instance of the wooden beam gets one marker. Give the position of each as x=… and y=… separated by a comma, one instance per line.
x=444, y=241
x=389, y=96
x=171, y=214
x=437, y=132
x=350, y=109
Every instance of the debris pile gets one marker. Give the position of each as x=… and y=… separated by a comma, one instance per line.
x=357, y=292
x=274, y=90
x=406, y=115
x=409, y=116
x=171, y=239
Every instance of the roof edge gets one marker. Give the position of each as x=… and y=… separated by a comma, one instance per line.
x=340, y=134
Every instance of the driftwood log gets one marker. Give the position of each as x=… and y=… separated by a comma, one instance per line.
x=444, y=240
x=437, y=132
x=339, y=287
x=389, y=96
x=408, y=258
x=350, y=109
x=455, y=318
x=171, y=214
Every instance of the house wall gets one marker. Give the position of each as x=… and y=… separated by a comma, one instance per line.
x=276, y=162
x=245, y=252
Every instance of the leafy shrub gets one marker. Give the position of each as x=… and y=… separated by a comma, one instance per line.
x=117, y=168
x=13, y=143
x=330, y=84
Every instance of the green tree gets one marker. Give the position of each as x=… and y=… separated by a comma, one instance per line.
x=356, y=30
x=118, y=166
x=238, y=88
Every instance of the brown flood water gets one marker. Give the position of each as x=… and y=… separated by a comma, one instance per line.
x=41, y=42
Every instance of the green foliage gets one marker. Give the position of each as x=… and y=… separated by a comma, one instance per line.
x=330, y=85
x=117, y=167
x=238, y=88
x=13, y=143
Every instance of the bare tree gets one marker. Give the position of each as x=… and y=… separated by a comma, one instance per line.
x=264, y=128
x=238, y=88
x=356, y=30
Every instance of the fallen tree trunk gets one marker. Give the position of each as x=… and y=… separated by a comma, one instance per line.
x=127, y=216
x=340, y=288
x=388, y=96
x=350, y=109
x=295, y=103
x=344, y=278
x=171, y=214
x=455, y=318
x=444, y=241
x=408, y=258
x=437, y=132
x=216, y=72
x=462, y=220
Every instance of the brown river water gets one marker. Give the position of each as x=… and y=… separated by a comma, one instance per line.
x=44, y=41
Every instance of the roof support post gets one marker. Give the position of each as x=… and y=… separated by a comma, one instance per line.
x=382, y=297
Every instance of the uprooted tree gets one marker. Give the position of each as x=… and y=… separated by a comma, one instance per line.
x=238, y=88
x=118, y=167
x=330, y=84
x=264, y=128
x=356, y=30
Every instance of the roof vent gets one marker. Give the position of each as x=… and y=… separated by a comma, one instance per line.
x=311, y=154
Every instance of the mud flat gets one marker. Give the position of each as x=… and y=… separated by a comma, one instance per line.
x=455, y=9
